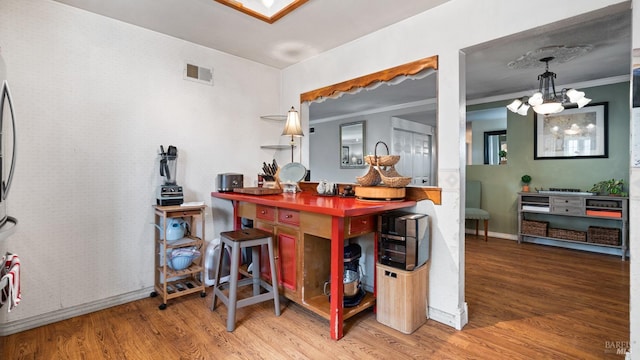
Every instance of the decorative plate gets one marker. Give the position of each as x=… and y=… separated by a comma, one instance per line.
x=292, y=173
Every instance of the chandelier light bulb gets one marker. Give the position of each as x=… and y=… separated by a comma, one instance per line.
x=523, y=109
x=515, y=104
x=582, y=102
x=574, y=95
x=536, y=99
x=548, y=108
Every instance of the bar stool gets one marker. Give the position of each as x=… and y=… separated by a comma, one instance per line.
x=238, y=240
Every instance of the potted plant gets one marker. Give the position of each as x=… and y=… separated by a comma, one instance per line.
x=526, y=179
x=503, y=156
x=611, y=187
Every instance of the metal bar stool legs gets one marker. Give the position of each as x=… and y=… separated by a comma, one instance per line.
x=238, y=240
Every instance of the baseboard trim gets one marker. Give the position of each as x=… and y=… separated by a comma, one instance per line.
x=457, y=320
x=17, y=326
x=492, y=234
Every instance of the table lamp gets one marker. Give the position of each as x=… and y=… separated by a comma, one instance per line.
x=292, y=127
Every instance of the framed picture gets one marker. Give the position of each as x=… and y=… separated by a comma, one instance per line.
x=572, y=134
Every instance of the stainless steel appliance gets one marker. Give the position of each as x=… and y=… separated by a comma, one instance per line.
x=352, y=281
x=7, y=140
x=403, y=239
x=229, y=181
x=169, y=193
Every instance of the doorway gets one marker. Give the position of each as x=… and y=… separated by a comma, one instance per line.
x=523, y=162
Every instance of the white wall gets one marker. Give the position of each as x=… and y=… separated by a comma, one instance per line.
x=94, y=99
x=443, y=31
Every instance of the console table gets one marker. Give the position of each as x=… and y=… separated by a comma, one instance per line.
x=595, y=222
x=310, y=232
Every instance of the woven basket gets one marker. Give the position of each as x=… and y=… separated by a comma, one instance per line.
x=388, y=171
x=603, y=235
x=384, y=160
x=566, y=234
x=391, y=178
x=371, y=178
x=396, y=182
x=530, y=227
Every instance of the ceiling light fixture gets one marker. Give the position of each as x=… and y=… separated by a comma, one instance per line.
x=546, y=100
x=269, y=11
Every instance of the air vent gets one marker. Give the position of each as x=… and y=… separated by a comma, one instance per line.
x=198, y=73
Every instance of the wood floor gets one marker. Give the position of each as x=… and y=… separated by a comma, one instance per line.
x=525, y=302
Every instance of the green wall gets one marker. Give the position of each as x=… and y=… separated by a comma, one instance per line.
x=501, y=183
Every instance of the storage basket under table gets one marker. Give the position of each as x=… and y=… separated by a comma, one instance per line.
x=603, y=235
x=536, y=228
x=566, y=234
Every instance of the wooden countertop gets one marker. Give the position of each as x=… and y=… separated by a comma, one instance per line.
x=311, y=202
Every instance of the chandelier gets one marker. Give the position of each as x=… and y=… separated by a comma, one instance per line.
x=546, y=101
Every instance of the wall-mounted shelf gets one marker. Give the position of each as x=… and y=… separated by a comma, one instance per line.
x=276, y=147
x=274, y=117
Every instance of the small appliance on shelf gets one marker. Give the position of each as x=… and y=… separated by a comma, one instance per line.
x=230, y=181
x=403, y=240
x=169, y=193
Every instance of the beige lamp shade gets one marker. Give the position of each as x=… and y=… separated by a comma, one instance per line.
x=292, y=126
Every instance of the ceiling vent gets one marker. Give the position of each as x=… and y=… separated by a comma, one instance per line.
x=198, y=73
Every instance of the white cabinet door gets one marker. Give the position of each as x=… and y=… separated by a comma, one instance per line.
x=415, y=155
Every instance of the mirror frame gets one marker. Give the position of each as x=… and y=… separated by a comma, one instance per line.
x=362, y=164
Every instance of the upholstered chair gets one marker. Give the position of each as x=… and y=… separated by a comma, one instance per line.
x=473, y=210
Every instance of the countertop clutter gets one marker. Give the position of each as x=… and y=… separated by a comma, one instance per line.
x=307, y=201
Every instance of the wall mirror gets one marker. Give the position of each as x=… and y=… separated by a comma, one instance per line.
x=407, y=92
x=352, y=140
x=486, y=136
x=495, y=147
